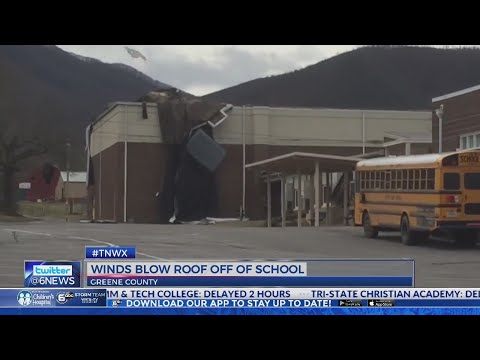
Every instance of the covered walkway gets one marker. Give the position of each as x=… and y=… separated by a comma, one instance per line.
x=297, y=165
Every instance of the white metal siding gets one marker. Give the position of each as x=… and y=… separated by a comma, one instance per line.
x=111, y=128
x=270, y=126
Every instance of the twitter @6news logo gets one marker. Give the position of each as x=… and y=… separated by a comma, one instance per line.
x=49, y=274
x=24, y=298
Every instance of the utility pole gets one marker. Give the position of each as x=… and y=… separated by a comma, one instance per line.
x=67, y=185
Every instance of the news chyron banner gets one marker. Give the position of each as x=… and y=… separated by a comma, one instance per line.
x=289, y=298
x=241, y=301
x=123, y=271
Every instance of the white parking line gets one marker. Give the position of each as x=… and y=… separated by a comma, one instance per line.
x=152, y=257
x=82, y=238
x=94, y=240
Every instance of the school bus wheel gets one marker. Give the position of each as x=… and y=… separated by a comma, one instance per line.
x=370, y=231
x=409, y=237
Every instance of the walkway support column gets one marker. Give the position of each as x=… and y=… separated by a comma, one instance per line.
x=317, y=193
x=346, y=186
x=327, y=198
x=299, y=200
x=282, y=200
x=269, y=202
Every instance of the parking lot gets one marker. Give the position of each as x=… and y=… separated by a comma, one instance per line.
x=437, y=264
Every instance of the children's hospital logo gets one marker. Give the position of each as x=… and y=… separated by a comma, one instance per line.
x=24, y=298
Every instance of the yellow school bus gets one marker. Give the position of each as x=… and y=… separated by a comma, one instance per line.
x=420, y=195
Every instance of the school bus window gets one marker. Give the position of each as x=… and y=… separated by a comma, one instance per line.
x=387, y=180
x=424, y=179
x=394, y=179
x=451, y=181
x=417, y=179
x=382, y=180
x=472, y=181
x=399, y=179
x=377, y=180
x=451, y=160
x=430, y=179
x=410, y=179
x=404, y=179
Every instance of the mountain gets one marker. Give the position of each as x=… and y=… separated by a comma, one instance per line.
x=371, y=77
x=139, y=74
x=54, y=94
x=134, y=71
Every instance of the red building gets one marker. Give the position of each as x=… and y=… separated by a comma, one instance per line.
x=43, y=182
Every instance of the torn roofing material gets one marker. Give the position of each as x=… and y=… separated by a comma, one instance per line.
x=205, y=150
x=189, y=190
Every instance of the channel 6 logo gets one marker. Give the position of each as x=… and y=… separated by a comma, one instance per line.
x=52, y=273
x=62, y=298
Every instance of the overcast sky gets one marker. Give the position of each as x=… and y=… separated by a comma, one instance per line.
x=201, y=69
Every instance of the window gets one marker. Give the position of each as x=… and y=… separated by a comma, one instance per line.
x=377, y=179
x=472, y=181
x=472, y=209
x=410, y=179
x=399, y=179
x=416, y=179
x=387, y=180
x=394, y=179
x=470, y=141
x=404, y=179
x=382, y=180
x=451, y=181
x=430, y=179
x=423, y=185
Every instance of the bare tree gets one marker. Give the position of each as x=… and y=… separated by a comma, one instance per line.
x=14, y=150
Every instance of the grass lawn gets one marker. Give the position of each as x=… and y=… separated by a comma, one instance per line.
x=48, y=209
x=13, y=219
